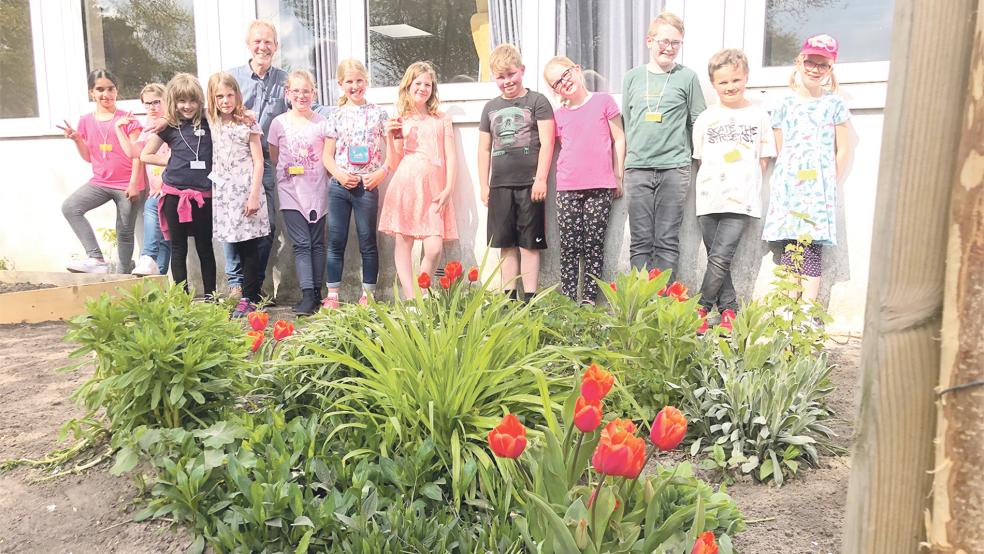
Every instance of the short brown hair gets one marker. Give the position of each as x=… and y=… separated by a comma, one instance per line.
x=665, y=18
x=503, y=57
x=728, y=57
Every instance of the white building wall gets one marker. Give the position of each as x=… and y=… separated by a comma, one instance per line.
x=39, y=172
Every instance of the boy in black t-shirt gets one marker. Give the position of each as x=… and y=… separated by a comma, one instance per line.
x=515, y=147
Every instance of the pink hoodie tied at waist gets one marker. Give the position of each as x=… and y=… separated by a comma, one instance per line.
x=185, y=196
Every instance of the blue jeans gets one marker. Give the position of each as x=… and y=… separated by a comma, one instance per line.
x=656, y=198
x=233, y=265
x=721, y=234
x=341, y=203
x=154, y=244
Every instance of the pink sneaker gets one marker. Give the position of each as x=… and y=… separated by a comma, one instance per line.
x=727, y=316
x=330, y=301
x=364, y=299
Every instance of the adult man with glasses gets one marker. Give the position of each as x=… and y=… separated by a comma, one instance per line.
x=262, y=86
x=660, y=103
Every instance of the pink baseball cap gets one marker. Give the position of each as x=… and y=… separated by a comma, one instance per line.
x=820, y=45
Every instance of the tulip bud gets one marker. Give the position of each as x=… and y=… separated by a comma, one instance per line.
x=581, y=534
x=649, y=491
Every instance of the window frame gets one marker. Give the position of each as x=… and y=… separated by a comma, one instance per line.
x=753, y=44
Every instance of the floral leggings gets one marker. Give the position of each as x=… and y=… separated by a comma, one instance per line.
x=582, y=216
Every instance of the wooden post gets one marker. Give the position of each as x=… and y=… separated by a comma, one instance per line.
x=893, y=452
x=956, y=523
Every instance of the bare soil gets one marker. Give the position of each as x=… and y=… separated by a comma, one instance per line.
x=92, y=512
x=19, y=287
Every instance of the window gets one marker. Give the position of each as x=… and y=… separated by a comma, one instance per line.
x=455, y=35
x=605, y=38
x=18, y=84
x=306, y=31
x=863, y=28
x=141, y=41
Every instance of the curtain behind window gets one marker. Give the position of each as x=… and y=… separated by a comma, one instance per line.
x=506, y=23
x=605, y=38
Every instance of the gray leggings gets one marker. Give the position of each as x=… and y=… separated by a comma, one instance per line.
x=89, y=197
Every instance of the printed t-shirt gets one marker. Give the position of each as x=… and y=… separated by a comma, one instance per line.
x=585, y=160
x=188, y=145
x=677, y=98
x=730, y=143
x=301, y=145
x=110, y=168
x=352, y=125
x=515, y=139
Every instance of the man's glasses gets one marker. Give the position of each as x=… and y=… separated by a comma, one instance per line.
x=564, y=77
x=665, y=43
x=152, y=103
x=818, y=67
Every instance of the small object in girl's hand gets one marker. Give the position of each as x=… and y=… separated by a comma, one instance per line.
x=398, y=132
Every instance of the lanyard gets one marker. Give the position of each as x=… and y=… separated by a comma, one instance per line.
x=662, y=91
x=105, y=136
x=198, y=146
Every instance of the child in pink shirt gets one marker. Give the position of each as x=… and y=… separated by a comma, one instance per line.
x=589, y=174
x=114, y=175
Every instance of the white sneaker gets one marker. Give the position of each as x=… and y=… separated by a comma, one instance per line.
x=145, y=266
x=88, y=265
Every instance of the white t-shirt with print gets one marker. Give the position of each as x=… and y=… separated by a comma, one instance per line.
x=729, y=143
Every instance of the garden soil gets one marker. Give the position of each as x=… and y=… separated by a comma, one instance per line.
x=92, y=512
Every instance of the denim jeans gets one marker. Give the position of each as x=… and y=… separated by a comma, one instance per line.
x=656, y=198
x=233, y=265
x=154, y=244
x=721, y=234
x=308, y=240
x=341, y=203
x=89, y=197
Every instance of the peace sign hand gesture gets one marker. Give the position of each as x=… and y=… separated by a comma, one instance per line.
x=69, y=131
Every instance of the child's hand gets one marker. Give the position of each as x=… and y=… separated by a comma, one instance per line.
x=372, y=180
x=252, y=204
x=69, y=131
x=155, y=189
x=618, y=187
x=539, y=192
x=394, y=126
x=485, y=196
x=347, y=180
x=157, y=126
x=440, y=202
x=125, y=120
x=132, y=193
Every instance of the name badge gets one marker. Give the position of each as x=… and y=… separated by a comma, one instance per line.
x=655, y=117
x=358, y=154
x=295, y=170
x=156, y=172
x=106, y=147
x=732, y=156
x=214, y=177
x=806, y=175
x=197, y=164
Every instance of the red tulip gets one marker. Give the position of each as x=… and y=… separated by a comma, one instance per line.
x=453, y=270
x=258, y=320
x=587, y=414
x=705, y=544
x=255, y=338
x=669, y=428
x=612, y=285
x=677, y=290
x=445, y=282
x=424, y=281
x=282, y=329
x=596, y=382
x=619, y=451
x=473, y=274
x=654, y=273
x=508, y=440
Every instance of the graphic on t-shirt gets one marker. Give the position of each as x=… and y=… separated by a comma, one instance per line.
x=300, y=153
x=732, y=132
x=511, y=129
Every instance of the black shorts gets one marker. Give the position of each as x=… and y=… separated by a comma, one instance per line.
x=515, y=219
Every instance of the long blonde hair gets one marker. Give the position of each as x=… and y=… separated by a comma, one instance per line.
x=223, y=79
x=404, y=104
x=183, y=86
x=346, y=66
x=796, y=80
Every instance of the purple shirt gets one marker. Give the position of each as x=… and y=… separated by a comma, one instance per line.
x=585, y=160
x=300, y=145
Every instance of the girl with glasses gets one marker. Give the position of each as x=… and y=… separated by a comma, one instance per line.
x=155, y=256
x=812, y=138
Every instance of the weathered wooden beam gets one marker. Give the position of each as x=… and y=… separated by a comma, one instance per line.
x=893, y=453
x=956, y=522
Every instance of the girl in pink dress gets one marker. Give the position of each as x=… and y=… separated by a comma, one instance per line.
x=418, y=202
